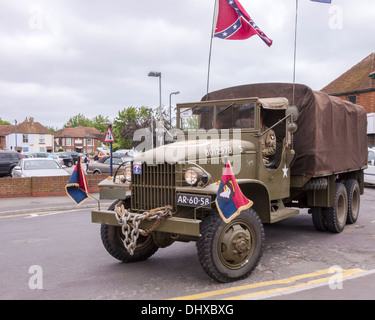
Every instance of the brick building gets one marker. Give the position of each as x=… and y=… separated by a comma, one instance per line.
x=79, y=139
x=358, y=86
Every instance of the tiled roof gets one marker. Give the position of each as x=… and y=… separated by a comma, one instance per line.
x=355, y=79
x=6, y=129
x=79, y=132
x=30, y=126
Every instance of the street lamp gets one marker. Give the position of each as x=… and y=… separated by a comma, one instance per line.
x=170, y=108
x=157, y=75
x=152, y=127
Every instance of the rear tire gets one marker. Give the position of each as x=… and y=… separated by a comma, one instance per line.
x=318, y=218
x=230, y=251
x=354, y=200
x=336, y=217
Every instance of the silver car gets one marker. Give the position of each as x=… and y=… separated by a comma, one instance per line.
x=370, y=171
x=38, y=167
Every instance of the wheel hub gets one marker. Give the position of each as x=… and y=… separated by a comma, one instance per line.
x=236, y=245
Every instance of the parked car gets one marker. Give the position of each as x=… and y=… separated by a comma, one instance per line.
x=27, y=155
x=38, y=167
x=67, y=159
x=103, y=165
x=40, y=154
x=121, y=152
x=59, y=160
x=370, y=171
x=8, y=160
x=74, y=155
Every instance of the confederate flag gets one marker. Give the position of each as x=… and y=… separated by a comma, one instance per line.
x=234, y=23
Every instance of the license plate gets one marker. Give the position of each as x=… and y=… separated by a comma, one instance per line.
x=193, y=200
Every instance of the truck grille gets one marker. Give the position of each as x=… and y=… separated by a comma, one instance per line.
x=154, y=187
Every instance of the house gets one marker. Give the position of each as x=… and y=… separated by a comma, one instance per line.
x=79, y=139
x=28, y=136
x=357, y=85
x=4, y=131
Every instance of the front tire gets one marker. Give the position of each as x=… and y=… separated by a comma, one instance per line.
x=112, y=238
x=230, y=251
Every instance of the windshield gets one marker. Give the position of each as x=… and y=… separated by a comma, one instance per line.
x=37, y=165
x=229, y=116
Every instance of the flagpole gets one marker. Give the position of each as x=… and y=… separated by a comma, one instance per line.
x=210, y=53
x=295, y=52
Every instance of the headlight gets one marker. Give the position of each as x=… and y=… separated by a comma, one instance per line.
x=128, y=174
x=191, y=177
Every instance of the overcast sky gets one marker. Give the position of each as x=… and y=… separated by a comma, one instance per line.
x=59, y=58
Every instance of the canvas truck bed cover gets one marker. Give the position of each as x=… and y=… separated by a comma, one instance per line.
x=331, y=135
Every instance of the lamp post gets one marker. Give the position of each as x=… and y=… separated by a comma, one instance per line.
x=152, y=128
x=157, y=75
x=15, y=128
x=170, y=108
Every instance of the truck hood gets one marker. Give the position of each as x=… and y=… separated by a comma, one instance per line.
x=195, y=150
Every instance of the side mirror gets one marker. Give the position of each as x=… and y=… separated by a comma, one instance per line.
x=17, y=168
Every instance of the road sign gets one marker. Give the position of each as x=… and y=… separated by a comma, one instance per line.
x=109, y=135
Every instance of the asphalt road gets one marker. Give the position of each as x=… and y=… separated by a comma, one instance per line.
x=59, y=255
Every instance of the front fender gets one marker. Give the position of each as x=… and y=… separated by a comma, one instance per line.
x=257, y=192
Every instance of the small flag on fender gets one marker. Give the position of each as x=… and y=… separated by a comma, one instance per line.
x=230, y=200
x=77, y=187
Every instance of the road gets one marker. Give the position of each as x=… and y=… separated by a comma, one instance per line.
x=59, y=255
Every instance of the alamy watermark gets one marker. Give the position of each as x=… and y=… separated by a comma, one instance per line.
x=194, y=145
x=36, y=280
x=336, y=20
x=336, y=280
x=36, y=18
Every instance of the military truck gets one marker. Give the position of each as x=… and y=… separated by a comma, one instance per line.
x=168, y=194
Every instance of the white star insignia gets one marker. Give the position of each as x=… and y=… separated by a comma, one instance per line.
x=285, y=170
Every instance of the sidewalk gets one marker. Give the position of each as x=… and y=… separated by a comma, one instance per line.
x=13, y=206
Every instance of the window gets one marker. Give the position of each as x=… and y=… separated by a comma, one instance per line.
x=68, y=142
x=371, y=157
x=25, y=138
x=89, y=141
x=42, y=139
x=352, y=99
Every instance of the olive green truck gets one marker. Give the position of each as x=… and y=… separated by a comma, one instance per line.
x=168, y=194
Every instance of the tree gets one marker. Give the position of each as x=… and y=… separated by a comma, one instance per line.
x=52, y=129
x=127, y=122
x=82, y=120
x=4, y=122
x=97, y=122
x=78, y=120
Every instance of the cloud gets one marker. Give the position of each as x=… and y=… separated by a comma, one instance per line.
x=63, y=57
